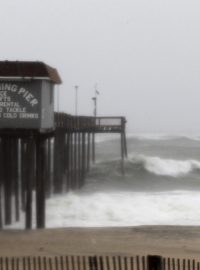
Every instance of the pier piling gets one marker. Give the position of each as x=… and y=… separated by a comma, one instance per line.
x=48, y=163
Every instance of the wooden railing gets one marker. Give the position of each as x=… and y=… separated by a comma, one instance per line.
x=98, y=263
x=110, y=124
x=89, y=124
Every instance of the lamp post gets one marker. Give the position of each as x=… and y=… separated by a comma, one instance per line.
x=96, y=93
x=95, y=115
x=95, y=106
x=76, y=99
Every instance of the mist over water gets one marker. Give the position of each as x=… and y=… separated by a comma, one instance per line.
x=161, y=185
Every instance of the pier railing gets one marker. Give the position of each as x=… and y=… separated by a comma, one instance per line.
x=89, y=124
x=98, y=263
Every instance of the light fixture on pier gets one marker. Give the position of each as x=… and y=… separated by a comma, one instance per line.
x=76, y=99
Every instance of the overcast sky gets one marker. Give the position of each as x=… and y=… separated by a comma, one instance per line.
x=144, y=56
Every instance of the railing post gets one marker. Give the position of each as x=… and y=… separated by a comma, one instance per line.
x=154, y=262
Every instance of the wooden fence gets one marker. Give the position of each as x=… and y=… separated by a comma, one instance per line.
x=98, y=263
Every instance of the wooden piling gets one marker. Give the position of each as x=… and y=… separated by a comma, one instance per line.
x=79, y=160
x=93, y=148
x=29, y=180
x=75, y=180
x=122, y=154
x=48, y=167
x=40, y=182
x=70, y=175
x=23, y=172
x=67, y=160
x=7, y=181
x=16, y=177
x=83, y=169
x=88, y=151
x=1, y=184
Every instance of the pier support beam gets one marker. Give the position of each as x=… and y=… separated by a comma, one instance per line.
x=29, y=179
x=40, y=182
x=93, y=148
x=122, y=154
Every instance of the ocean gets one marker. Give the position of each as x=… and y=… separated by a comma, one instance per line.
x=161, y=185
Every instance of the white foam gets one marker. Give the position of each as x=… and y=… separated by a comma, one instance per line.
x=168, y=167
x=124, y=209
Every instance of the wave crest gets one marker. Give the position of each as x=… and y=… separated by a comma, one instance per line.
x=167, y=167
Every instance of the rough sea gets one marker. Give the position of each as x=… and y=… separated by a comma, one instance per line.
x=161, y=185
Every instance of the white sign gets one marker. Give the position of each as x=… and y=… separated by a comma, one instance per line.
x=10, y=109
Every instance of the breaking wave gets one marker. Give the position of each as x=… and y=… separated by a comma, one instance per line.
x=147, y=164
x=167, y=167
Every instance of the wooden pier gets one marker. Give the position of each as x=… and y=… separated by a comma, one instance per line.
x=42, y=151
x=48, y=163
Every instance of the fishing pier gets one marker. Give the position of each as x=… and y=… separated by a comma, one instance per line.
x=42, y=152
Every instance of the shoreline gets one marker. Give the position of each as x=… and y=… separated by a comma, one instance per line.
x=168, y=241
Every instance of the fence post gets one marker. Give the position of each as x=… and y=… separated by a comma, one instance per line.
x=154, y=262
x=93, y=264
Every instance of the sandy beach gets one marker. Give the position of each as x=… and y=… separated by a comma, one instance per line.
x=173, y=241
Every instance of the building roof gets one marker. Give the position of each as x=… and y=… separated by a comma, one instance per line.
x=28, y=69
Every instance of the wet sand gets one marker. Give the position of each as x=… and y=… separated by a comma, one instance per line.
x=173, y=241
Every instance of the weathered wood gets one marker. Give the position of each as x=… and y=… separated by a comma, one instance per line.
x=48, y=167
x=83, y=159
x=1, y=184
x=67, y=160
x=23, y=171
x=16, y=178
x=154, y=262
x=122, y=154
x=79, y=160
x=75, y=180
x=29, y=179
x=90, y=262
x=93, y=147
x=88, y=152
x=7, y=181
x=40, y=182
x=70, y=176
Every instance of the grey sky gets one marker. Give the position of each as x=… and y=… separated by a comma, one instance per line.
x=143, y=54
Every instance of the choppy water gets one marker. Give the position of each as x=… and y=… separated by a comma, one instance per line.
x=161, y=185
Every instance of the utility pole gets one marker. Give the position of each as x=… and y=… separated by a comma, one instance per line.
x=76, y=99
